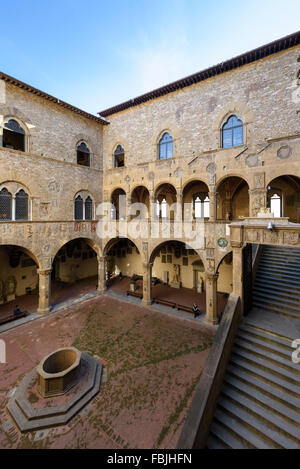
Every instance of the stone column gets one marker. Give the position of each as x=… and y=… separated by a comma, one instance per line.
x=212, y=203
x=237, y=269
x=147, y=284
x=211, y=298
x=128, y=205
x=101, y=274
x=44, y=291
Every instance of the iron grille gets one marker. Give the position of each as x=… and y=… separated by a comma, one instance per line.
x=78, y=208
x=5, y=205
x=21, y=202
x=88, y=208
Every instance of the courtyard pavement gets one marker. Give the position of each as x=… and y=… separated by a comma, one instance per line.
x=153, y=361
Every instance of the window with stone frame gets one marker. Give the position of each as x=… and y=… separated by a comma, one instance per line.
x=119, y=157
x=88, y=208
x=83, y=154
x=21, y=205
x=13, y=135
x=165, y=147
x=232, y=132
x=78, y=208
x=5, y=205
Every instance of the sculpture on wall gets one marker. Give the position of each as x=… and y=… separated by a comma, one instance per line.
x=176, y=276
x=10, y=288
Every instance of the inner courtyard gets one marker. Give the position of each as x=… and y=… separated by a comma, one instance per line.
x=158, y=244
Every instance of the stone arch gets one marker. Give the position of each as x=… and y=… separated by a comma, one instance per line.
x=234, y=174
x=27, y=249
x=24, y=126
x=13, y=111
x=110, y=243
x=89, y=241
x=83, y=138
x=160, y=244
x=194, y=179
x=14, y=187
x=233, y=199
x=241, y=110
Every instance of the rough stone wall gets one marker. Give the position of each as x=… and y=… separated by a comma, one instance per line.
x=262, y=94
x=54, y=131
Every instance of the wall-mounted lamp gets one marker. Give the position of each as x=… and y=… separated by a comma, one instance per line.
x=270, y=227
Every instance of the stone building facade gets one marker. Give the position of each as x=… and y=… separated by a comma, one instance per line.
x=261, y=89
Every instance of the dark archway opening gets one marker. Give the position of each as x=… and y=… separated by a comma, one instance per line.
x=19, y=281
x=124, y=269
x=74, y=271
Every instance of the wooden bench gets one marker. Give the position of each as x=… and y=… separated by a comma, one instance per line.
x=188, y=309
x=12, y=317
x=135, y=294
x=165, y=302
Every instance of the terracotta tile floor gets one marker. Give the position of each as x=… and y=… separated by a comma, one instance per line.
x=154, y=362
x=183, y=296
x=59, y=292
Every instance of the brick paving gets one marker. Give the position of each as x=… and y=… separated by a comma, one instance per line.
x=154, y=362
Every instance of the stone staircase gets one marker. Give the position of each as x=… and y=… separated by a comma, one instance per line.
x=276, y=288
x=259, y=404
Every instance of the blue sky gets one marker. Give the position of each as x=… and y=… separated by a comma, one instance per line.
x=95, y=53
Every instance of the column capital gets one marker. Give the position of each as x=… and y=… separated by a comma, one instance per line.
x=44, y=272
x=101, y=258
x=211, y=276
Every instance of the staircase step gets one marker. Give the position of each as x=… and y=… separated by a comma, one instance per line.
x=250, y=437
x=273, y=363
x=270, y=346
x=283, y=283
x=285, y=264
x=261, y=398
x=281, y=249
x=280, y=273
x=214, y=443
x=227, y=438
x=265, y=374
x=241, y=409
x=261, y=304
x=283, y=293
x=265, y=335
x=281, y=257
x=277, y=297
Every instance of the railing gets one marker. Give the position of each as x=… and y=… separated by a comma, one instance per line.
x=200, y=415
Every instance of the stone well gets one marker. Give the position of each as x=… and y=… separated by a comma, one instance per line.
x=58, y=372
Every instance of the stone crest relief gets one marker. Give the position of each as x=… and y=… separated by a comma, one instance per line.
x=284, y=152
x=259, y=180
x=44, y=209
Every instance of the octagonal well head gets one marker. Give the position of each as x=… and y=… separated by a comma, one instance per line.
x=58, y=372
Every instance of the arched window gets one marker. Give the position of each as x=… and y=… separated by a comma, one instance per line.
x=5, y=204
x=197, y=207
x=21, y=205
x=88, y=208
x=275, y=205
x=165, y=146
x=201, y=206
x=78, y=209
x=119, y=157
x=232, y=132
x=13, y=136
x=206, y=207
x=83, y=154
